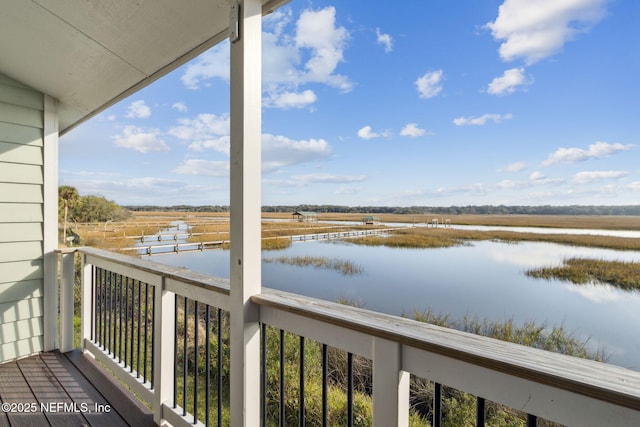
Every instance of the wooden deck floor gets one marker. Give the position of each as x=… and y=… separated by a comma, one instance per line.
x=70, y=389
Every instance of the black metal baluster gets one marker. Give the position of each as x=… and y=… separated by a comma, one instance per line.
x=263, y=369
x=196, y=322
x=185, y=363
x=207, y=356
x=349, y=389
x=480, y=406
x=104, y=309
x=133, y=322
x=219, y=361
x=94, y=296
x=110, y=313
x=103, y=332
x=175, y=353
x=281, y=403
x=153, y=330
x=121, y=294
x=301, y=389
x=126, y=319
x=146, y=332
x=98, y=312
x=139, y=310
x=437, y=405
x=325, y=385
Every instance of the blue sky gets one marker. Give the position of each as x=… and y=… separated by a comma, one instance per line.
x=433, y=103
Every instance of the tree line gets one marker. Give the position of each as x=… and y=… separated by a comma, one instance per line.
x=631, y=210
x=72, y=207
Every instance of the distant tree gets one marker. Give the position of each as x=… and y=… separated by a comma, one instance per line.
x=98, y=209
x=74, y=207
x=68, y=199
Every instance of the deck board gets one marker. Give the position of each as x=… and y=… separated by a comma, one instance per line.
x=71, y=388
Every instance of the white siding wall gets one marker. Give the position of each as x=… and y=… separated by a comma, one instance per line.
x=21, y=220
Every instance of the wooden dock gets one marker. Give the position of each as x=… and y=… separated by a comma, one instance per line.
x=159, y=249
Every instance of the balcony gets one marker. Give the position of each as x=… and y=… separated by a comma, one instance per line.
x=166, y=333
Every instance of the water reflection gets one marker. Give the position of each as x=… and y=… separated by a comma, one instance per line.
x=484, y=280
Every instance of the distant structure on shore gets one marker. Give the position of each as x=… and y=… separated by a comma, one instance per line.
x=305, y=216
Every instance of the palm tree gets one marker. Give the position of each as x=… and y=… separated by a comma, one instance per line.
x=68, y=197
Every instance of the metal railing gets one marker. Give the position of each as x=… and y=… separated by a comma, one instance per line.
x=165, y=332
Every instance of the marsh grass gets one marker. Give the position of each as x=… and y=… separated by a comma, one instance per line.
x=620, y=274
x=423, y=237
x=531, y=334
x=345, y=267
x=411, y=238
x=275, y=243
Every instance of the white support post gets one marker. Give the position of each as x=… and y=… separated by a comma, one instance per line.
x=50, y=226
x=66, y=302
x=163, y=349
x=87, y=300
x=390, y=385
x=245, y=203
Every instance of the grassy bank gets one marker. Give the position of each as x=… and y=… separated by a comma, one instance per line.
x=623, y=275
x=423, y=237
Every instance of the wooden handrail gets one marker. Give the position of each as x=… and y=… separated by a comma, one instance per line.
x=598, y=380
x=543, y=383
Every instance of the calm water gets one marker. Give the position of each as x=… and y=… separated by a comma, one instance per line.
x=485, y=279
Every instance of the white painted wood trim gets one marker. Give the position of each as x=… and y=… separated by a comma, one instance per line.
x=163, y=351
x=138, y=386
x=87, y=300
x=546, y=401
x=245, y=206
x=206, y=296
x=390, y=385
x=66, y=302
x=50, y=223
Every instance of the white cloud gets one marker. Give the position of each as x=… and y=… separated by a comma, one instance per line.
x=221, y=144
x=595, y=151
x=534, y=30
x=385, y=40
x=367, y=133
x=180, y=106
x=347, y=190
x=316, y=30
x=587, y=177
x=310, y=52
x=138, y=110
x=430, y=84
x=202, y=167
x=508, y=82
x=634, y=185
x=213, y=63
x=280, y=151
x=482, y=120
x=516, y=167
x=412, y=130
x=536, y=176
x=140, y=140
x=286, y=100
x=204, y=131
x=325, y=178
x=508, y=184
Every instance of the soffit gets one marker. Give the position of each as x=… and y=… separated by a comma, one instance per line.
x=89, y=54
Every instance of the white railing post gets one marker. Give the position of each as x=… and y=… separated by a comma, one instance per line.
x=390, y=385
x=66, y=301
x=245, y=207
x=164, y=330
x=87, y=300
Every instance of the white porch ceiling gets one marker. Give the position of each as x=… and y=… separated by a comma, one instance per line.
x=90, y=54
